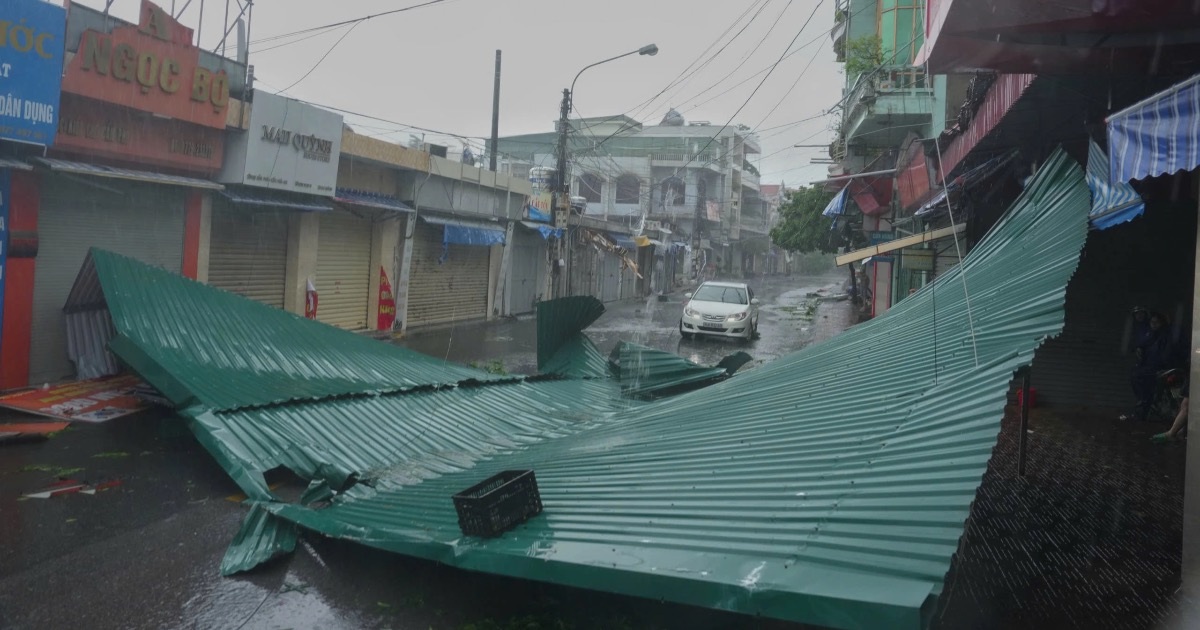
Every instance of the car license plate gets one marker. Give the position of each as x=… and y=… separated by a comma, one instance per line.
x=712, y=329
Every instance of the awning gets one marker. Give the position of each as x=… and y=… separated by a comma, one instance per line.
x=545, y=230
x=370, y=200
x=847, y=178
x=15, y=164
x=538, y=215
x=1157, y=136
x=963, y=182
x=622, y=240
x=900, y=243
x=837, y=205
x=262, y=198
x=99, y=170
x=461, y=232
x=1113, y=203
x=1000, y=97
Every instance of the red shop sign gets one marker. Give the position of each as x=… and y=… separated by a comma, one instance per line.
x=152, y=67
x=118, y=133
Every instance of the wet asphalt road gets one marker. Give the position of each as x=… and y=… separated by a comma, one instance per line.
x=784, y=326
x=145, y=554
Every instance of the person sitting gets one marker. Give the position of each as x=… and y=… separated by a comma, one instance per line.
x=1154, y=353
x=1141, y=325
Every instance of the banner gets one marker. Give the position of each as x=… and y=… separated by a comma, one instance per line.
x=95, y=400
x=310, y=301
x=31, y=66
x=387, y=303
x=4, y=190
x=714, y=211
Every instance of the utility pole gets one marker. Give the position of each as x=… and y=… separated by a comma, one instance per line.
x=562, y=189
x=495, y=148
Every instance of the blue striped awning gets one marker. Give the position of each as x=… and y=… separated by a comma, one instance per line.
x=1113, y=203
x=837, y=205
x=370, y=200
x=1157, y=136
x=261, y=198
x=622, y=241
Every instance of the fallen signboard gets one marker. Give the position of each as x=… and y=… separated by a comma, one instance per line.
x=94, y=400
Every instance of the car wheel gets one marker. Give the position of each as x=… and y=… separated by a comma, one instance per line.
x=685, y=335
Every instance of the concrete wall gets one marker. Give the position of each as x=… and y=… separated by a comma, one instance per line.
x=303, y=231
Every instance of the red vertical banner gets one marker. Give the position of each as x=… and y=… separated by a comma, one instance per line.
x=387, y=303
x=310, y=301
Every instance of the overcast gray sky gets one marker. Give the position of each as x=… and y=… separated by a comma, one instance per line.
x=433, y=66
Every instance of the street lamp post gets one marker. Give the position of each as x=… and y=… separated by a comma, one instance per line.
x=562, y=185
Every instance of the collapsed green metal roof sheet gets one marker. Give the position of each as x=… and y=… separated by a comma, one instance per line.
x=201, y=345
x=646, y=372
x=828, y=487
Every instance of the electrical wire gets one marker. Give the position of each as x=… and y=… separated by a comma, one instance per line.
x=358, y=20
x=323, y=57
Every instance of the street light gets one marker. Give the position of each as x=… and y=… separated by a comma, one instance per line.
x=562, y=189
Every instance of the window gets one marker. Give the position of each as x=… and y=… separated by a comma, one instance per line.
x=672, y=192
x=589, y=187
x=717, y=293
x=901, y=30
x=629, y=189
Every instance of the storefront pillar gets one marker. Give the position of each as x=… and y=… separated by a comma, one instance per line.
x=197, y=235
x=385, y=241
x=304, y=229
x=405, y=250
x=17, y=326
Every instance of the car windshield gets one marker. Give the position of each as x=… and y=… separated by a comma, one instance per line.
x=727, y=295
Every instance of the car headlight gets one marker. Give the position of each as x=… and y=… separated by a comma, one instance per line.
x=690, y=312
x=736, y=317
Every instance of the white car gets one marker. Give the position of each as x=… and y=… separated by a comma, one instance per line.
x=721, y=309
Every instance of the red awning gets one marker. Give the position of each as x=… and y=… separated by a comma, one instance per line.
x=912, y=176
x=1000, y=98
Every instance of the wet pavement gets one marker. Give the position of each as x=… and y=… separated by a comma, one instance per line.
x=787, y=322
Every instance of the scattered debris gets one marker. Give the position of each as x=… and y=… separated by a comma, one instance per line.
x=94, y=400
x=70, y=486
x=55, y=471
x=23, y=432
x=111, y=455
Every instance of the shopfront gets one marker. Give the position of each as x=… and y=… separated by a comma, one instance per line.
x=451, y=269
x=131, y=170
x=529, y=282
x=277, y=214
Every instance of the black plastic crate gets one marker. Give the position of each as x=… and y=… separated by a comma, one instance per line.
x=498, y=503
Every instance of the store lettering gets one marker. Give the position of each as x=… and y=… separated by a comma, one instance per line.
x=105, y=132
x=190, y=148
x=124, y=63
x=24, y=39
x=311, y=147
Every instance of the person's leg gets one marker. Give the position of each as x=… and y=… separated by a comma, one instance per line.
x=1143, y=393
x=1177, y=427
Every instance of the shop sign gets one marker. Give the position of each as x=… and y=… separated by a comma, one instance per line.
x=5, y=187
x=122, y=134
x=290, y=145
x=387, y=303
x=152, y=67
x=31, y=59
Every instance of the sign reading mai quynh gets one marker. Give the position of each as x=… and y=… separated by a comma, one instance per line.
x=31, y=59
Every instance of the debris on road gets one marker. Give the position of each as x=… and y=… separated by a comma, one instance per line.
x=21, y=432
x=63, y=487
x=691, y=499
x=93, y=400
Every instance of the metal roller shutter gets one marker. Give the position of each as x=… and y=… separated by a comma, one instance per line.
x=138, y=220
x=452, y=291
x=343, y=270
x=528, y=270
x=610, y=278
x=248, y=254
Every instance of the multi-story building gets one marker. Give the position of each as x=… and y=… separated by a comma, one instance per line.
x=676, y=183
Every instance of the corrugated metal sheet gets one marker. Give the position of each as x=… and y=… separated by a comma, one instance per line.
x=645, y=371
x=1001, y=96
x=369, y=199
x=220, y=350
x=262, y=198
x=800, y=491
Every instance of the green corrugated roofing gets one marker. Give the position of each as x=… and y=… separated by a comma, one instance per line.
x=828, y=487
x=201, y=345
x=645, y=371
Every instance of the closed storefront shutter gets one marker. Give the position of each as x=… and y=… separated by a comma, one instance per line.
x=248, y=254
x=453, y=290
x=610, y=278
x=343, y=270
x=528, y=270
x=142, y=221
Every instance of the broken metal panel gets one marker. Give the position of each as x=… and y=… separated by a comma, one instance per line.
x=561, y=321
x=226, y=352
x=829, y=487
x=263, y=536
x=645, y=372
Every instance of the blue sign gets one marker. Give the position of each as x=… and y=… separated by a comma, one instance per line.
x=31, y=63
x=4, y=188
